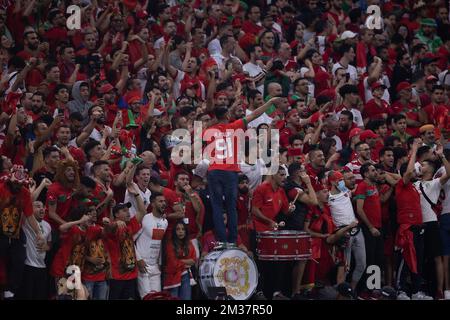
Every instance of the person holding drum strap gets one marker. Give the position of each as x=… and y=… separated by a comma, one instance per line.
x=343, y=215
x=269, y=199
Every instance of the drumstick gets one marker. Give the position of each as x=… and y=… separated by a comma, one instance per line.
x=296, y=196
x=281, y=224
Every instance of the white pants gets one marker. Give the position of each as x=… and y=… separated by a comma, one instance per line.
x=196, y=247
x=150, y=281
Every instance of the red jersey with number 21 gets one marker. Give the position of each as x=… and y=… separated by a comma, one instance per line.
x=220, y=138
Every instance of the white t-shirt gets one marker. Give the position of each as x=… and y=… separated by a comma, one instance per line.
x=97, y=135
x=148, y=239
x=253, y=172
x=350, y=69
x=214, y=47
x=34, y=257
x=253, y=71
x=432, y=189
x=264, y=118
x=132, y=199
x=158, y=42
x=446, y=188
x=341, y=208
x=338, y=141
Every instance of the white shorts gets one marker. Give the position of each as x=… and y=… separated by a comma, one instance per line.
x=150, y=281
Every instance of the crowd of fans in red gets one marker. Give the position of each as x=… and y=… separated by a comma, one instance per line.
x=86, y=123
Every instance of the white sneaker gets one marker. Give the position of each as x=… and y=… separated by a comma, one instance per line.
x=447, y=294
x=8, y=295
x=402, y=296
x=421, y=296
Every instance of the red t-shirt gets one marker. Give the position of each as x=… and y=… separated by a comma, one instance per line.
x=121, y=250
x=35, y=76
x=172, y=199
x=373, y=110
x=99, y=194
x=437, y=115
x=243, y=209
x=12, y=209
x=95, y=248
x=223, y=148
x=251, y=27
x=382, y=189
x=372, y=203
x=71, y=251
x=408, y=204
x=344, y=135
x=62, y=197
x=270, y=202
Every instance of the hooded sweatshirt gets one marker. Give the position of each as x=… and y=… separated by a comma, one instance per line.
x=78, y=104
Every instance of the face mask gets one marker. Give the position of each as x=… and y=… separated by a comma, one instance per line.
x=341, y=186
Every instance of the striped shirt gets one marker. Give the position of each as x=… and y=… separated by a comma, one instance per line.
x=354, y=167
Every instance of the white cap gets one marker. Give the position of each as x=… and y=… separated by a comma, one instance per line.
x=202, y=169
x=348, y=35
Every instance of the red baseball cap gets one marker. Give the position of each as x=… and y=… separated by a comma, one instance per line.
x=107, y=87
x=377, y=85
x=335, y=176
x=404, y=85
x=431, y=78
x=367, y=134
x=354, y=132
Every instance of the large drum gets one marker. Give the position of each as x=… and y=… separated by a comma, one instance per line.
x=283, y=245
x=232, y=269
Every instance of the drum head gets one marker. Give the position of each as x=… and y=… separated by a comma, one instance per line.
x=237, y=272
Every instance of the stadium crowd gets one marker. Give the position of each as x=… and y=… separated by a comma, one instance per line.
x=86, y=136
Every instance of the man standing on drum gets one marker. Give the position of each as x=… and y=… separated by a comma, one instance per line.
x=269, y=200
x=224, y=167
x=343, y=215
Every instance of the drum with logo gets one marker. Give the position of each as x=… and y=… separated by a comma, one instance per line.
x=232, y=269
x=283, y=245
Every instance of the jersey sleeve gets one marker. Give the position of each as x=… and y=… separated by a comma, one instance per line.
x=360, y=192
x=27, y=205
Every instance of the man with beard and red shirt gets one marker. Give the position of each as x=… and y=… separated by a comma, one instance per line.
x=346, y=125
x=243, y=209
x=194, y=210
x=368, y=208
x=103, y=193
x=269, y=200
x=31, y=49
x=410, y=232
x=291, y=128
x=252, y=25
x=59, y=193
x=315, y=166
x=121, y=248
x=437, y=111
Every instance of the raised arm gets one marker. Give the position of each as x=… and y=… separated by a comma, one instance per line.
x=412, y=161
x=256, y=113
